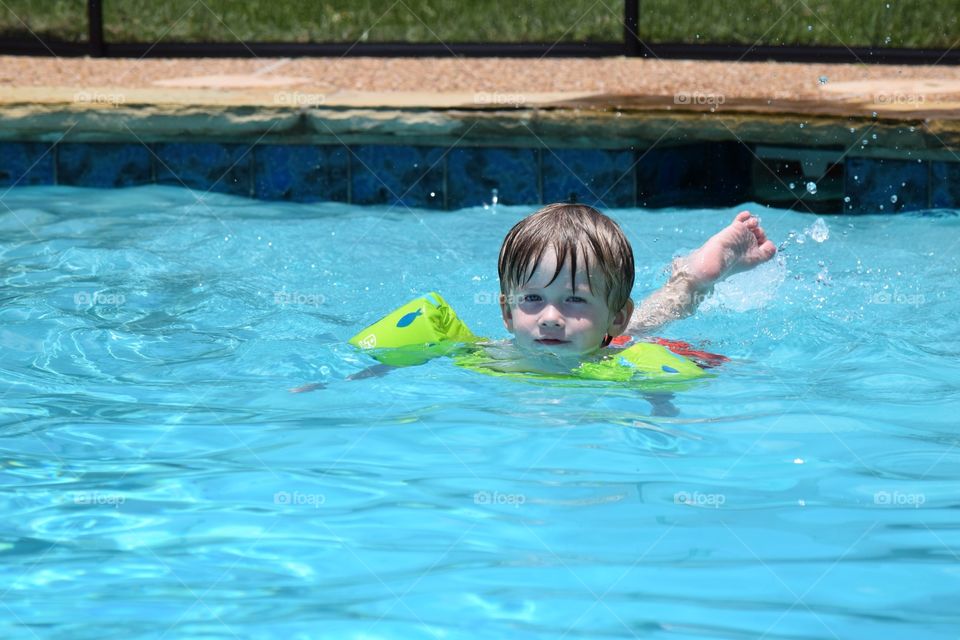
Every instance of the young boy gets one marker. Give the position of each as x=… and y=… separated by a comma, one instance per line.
x=566, y=273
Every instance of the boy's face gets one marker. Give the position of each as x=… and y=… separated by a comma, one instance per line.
x=555, y=319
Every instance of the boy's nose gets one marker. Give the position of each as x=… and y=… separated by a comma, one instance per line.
x=551, y=317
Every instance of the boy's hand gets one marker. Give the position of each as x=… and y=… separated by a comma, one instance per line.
x=740, y=247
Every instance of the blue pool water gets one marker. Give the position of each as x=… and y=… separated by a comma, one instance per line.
x=159, y=481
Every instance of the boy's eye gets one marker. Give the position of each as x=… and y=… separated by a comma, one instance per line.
x=530, y=297
x=576, y=299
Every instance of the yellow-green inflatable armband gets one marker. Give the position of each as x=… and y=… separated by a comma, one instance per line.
x=418, y=331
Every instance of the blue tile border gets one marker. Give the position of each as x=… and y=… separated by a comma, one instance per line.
x=302, y=173
x=596, y=177
x=27, y=164
x=885, y=186
x=104, y=165
x=205, y=166
x=474, y=172
x=698, y=174
x=408, y=176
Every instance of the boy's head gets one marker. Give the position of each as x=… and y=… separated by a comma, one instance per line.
x=566, y=273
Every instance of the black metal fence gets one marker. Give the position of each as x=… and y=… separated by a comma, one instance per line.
x=632, y=45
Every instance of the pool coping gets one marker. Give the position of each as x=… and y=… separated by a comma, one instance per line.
x=855, y=126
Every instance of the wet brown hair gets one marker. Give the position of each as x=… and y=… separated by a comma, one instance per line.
x=578, y=233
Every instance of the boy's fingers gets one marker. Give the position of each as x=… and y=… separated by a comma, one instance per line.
x=743, y=215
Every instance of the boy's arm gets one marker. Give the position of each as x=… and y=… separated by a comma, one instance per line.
x=740, y=247
x=375, y=371
x=678, y=298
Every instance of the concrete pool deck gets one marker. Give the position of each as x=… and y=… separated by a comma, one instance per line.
x=495, y=99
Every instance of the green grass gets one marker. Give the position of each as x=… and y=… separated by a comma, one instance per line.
x=899, y=23
x=893, y=23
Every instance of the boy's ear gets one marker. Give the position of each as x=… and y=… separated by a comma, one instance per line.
x=505, y=311
x=621, y=320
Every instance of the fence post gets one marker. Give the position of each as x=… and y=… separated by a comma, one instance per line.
x=631, y=27
x=95, y=27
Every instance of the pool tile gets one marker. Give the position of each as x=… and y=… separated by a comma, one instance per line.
x=397, y=174
x=473, y=173
x=880, y=185
x=26, y=163
x=597, y=177
x=945, y=185
x=104, y=165
x=205, y=166
x=710, y=174
x=302, y=173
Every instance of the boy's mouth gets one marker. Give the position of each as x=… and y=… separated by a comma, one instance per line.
x=551, y=341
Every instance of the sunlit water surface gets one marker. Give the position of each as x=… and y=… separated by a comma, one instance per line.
x=159, y=481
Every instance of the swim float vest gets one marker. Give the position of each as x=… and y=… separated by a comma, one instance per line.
x=428, y=327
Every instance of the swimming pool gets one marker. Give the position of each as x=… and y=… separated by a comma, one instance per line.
x=161, y=482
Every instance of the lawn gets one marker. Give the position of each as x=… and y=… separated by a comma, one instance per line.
x=899, y=23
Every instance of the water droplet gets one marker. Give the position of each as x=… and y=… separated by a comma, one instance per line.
x=881, y=207
x=809, y=27
x=846, y=198
x=792, y=185
x=818, y=231
x=874, y=114
x=886, y=40
x=801, y=125
x=893, y=198
x=811, y=187
x=874, y=136
x=433, y=194
x=856, y=178
x=823, y=79
x=852, y=130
